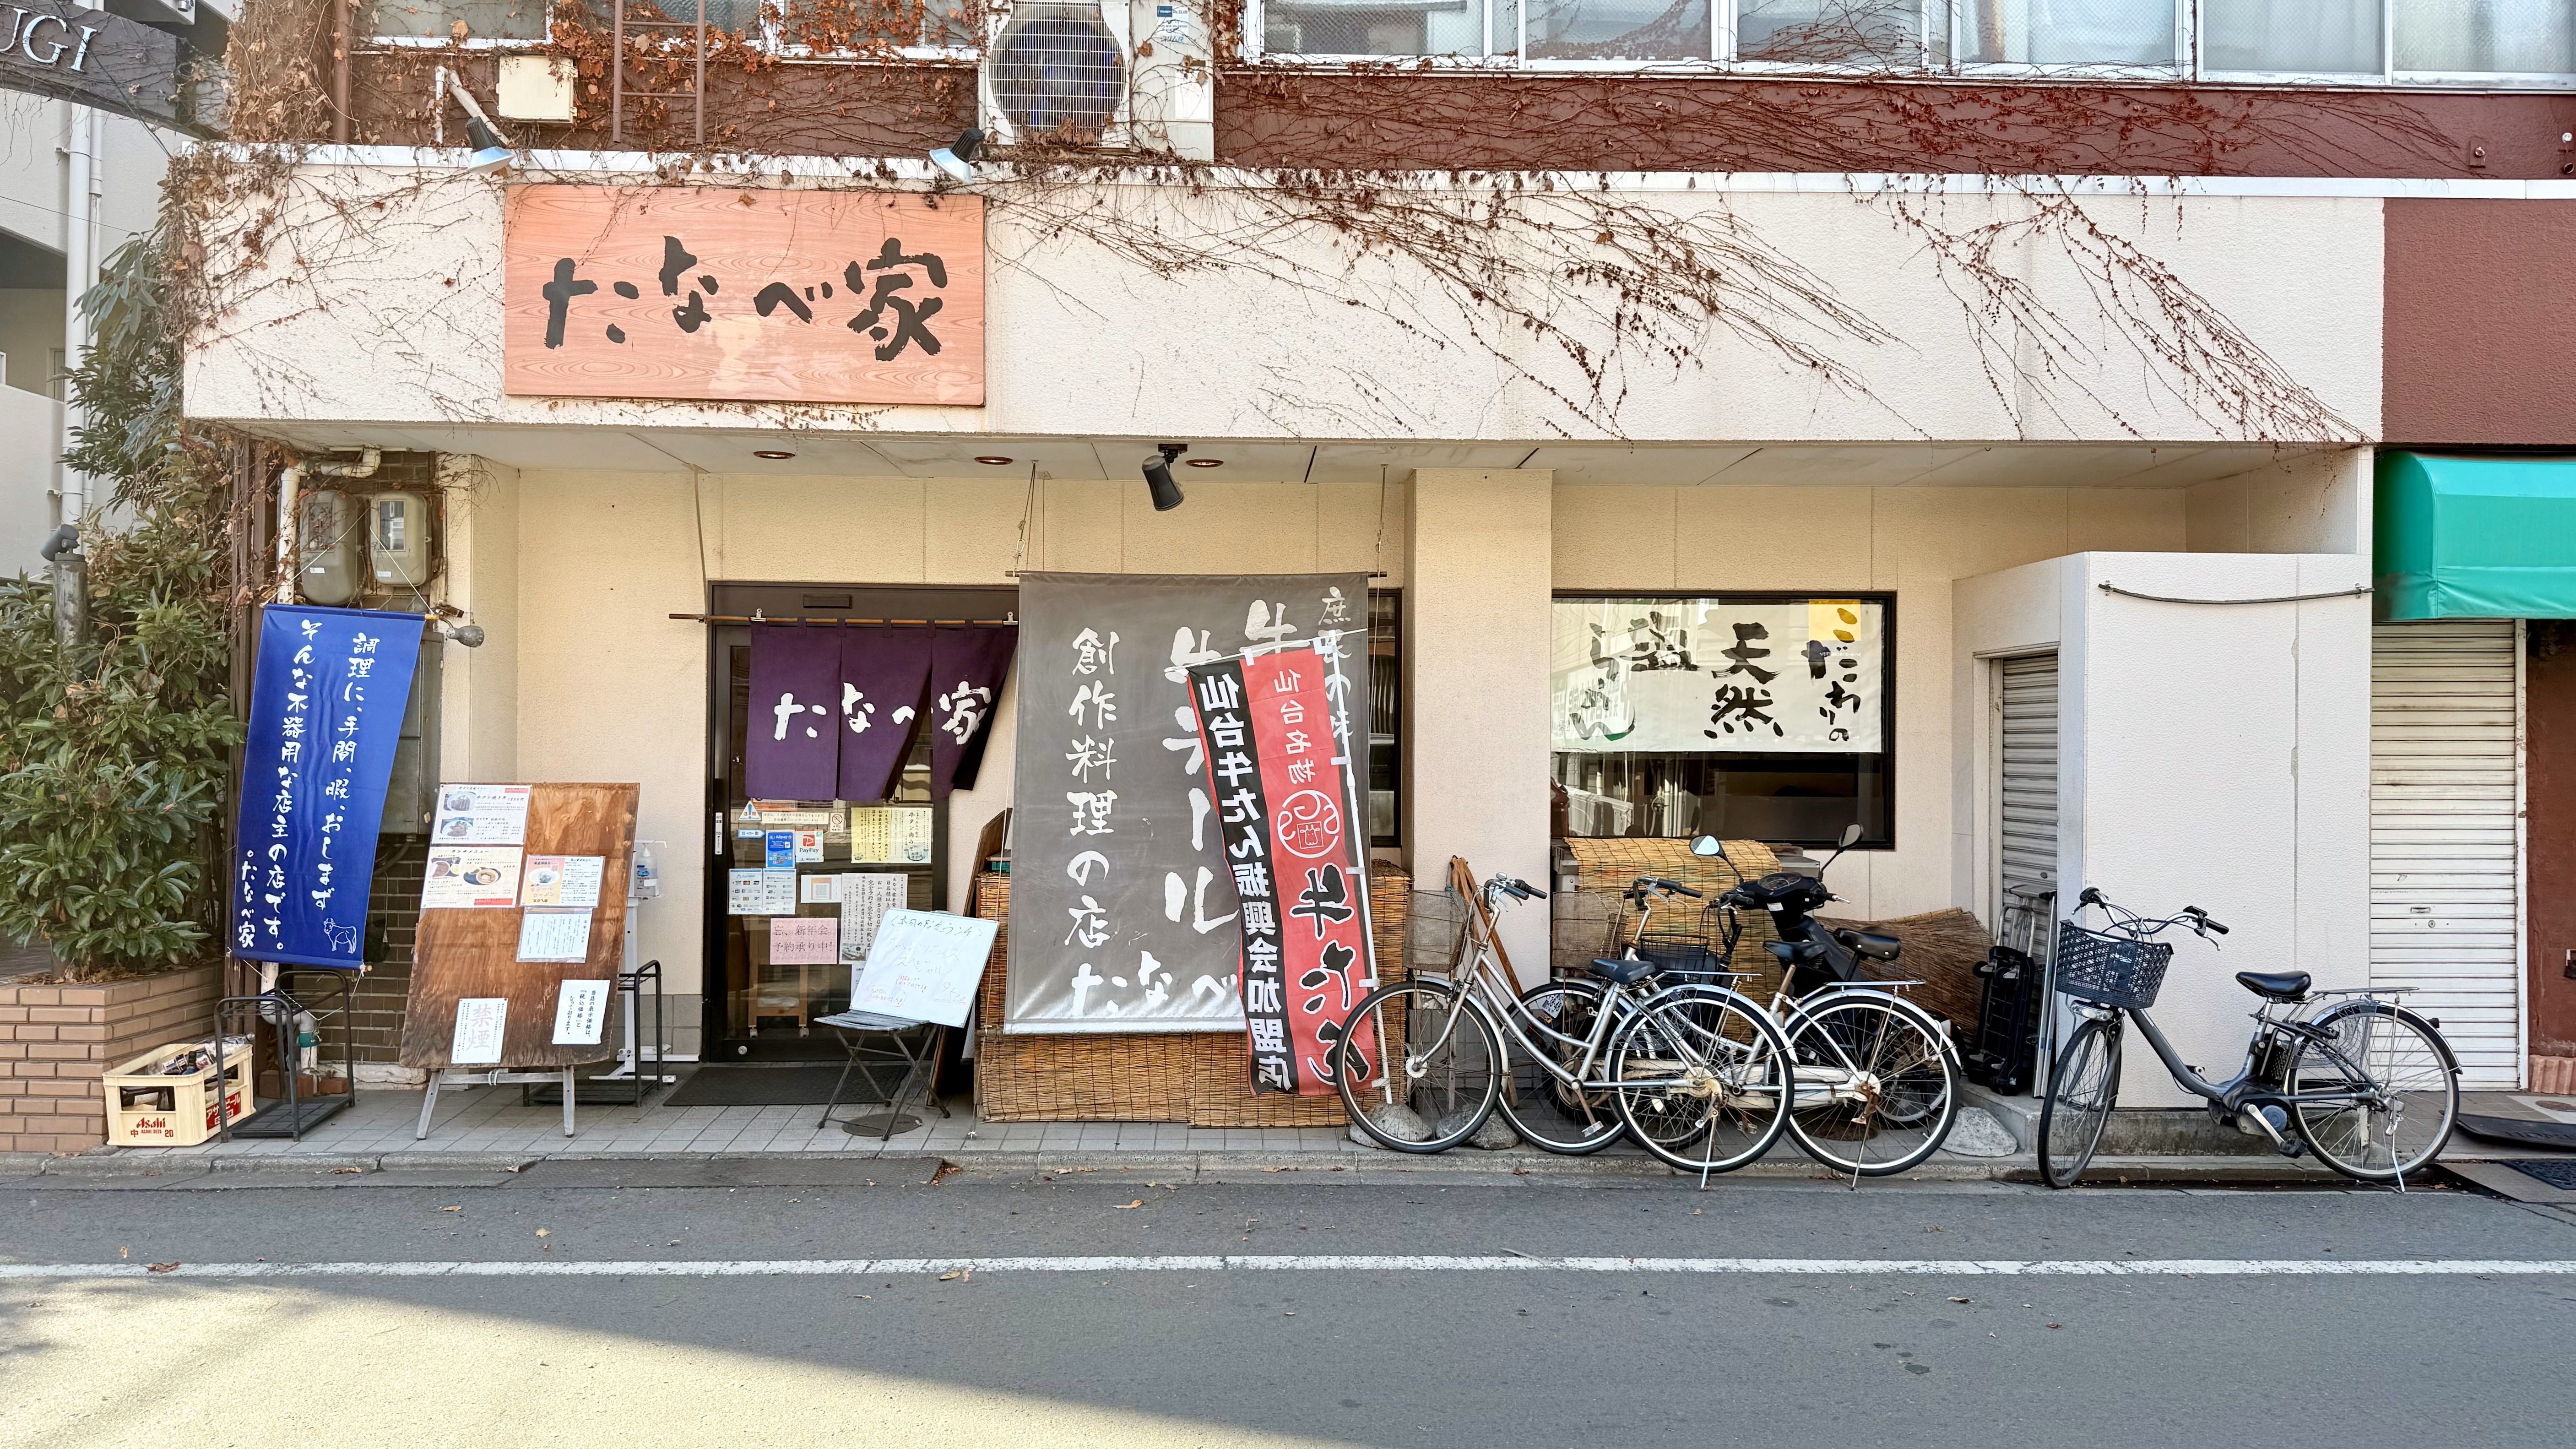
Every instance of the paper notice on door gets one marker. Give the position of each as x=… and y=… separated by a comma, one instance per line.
x=802, y=940
x=479, y=1024
x=554, y=936
x=760, y=892
x=809, y=846
x=890, y=835
x=581, y=1010
x=480, y=815
x=562, y=880
x=470, y=876
x=865, y=898
x=818, y=890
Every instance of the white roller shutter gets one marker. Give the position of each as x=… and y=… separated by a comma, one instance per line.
x=2026, y=696
x=2445, y=843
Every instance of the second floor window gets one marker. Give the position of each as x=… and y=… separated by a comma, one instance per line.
x=2433, y=42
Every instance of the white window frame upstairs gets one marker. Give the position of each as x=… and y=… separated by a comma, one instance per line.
x=1723, y=16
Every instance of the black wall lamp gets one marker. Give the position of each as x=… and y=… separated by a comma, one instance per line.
x=1158, y=476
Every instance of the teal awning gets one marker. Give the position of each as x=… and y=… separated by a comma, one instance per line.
x=2474, y=538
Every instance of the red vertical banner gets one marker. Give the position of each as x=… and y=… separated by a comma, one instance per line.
x=1300, y=872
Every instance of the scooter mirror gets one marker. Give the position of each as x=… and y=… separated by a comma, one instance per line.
x=1851, y=835
x=1707, y=845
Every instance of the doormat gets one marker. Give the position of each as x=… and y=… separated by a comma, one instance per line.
x=806, y=1084
x=2557, y=1172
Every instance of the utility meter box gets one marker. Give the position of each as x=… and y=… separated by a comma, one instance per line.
x=534, y=88
x=330, y=547
x=398, y=543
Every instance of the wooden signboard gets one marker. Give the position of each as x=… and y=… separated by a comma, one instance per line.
x=704, y=293
x=470, y=953
x=73, y=53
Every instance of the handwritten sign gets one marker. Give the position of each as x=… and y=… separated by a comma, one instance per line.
x=700, y=292
x=924, y=966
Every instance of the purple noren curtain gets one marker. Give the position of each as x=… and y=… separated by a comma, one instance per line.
x=795, y=746
x=966, y=671
x=882, y=674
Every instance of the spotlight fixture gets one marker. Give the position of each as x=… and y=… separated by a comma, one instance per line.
x=1207, y=462
x=992, y=460
x=491, y=152
x=1158, y=476
x=772, y=453
x=469, y=635
x=956, y=160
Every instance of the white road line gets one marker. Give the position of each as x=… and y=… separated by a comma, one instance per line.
x=916, y=1267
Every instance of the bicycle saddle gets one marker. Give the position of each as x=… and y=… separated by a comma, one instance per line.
x=2275, y=985
x=1624, y=973
x=1875, y=946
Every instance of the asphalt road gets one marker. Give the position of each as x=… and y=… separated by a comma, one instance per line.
x=1272, y=1349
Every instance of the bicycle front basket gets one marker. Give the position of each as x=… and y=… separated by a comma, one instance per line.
x=2107, y=969
x=1683, y=956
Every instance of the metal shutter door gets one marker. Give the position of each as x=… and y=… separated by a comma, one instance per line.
x=2445, y=848
x=2026, y=693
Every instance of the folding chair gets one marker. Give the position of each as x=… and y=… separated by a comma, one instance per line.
x=876, y=1042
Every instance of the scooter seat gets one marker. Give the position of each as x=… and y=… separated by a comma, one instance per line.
x=1875, y=946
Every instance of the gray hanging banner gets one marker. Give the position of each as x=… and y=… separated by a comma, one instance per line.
x=1122, y=908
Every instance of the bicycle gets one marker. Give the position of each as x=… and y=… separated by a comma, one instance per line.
x=1875, y=1078
x=2344, y=1083
x=1682, y=1067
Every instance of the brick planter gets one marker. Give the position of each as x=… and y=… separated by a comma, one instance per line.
x=56, y=1041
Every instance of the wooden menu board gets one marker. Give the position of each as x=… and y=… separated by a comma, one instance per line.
x=461, y=953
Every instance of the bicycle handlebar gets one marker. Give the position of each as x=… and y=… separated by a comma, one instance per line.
x=2130, y=923
x=1513, y=886
x=1663, y=886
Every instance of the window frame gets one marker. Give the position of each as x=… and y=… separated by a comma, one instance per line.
x=769, y=43
x=2187, y=67
x=1886, y=599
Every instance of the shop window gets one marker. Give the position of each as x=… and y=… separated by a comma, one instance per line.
x=2485, y=37
x=482, y=19
x=2292, y=37
x=1750, y=716
x=1466, y=28
x=1386, y=737
x=2090, y=33
x=1620, y=30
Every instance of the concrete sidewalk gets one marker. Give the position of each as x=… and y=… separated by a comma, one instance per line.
x=490, y=1129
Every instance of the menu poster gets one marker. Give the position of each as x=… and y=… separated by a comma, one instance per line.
x=925, y=967
x=479, y=1024
x=470, y=877
x=481, y=815
x=562, y=880
x=554, y=936
x=581, y=1009
x=802, y=940
x=890, y=835
x=865, y=898
x=760, y=892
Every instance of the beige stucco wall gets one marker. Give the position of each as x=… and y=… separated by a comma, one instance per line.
x=1913, y=542
x=379, y=302
x=608, y=687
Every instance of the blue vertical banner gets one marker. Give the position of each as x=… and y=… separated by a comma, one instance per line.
x=326, y=711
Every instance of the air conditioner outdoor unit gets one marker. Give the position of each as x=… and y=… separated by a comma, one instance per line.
x=1069, y=73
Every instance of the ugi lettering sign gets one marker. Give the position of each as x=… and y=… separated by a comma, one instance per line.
x=70, y=52
x=759, y=295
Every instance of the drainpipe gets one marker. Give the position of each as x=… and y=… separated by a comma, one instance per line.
x=81, y=188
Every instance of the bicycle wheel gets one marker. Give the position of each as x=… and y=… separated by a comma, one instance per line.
x=2081, y=1088
x=2398, y=1069
x=1698, y=1076
x=1559, y=1017
x=1437, y=1057
x=1876, y=1092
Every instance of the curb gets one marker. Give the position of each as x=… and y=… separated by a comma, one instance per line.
x=1487, y=1168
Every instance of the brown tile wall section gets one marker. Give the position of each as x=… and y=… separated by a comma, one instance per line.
x=393, y=914
x=57, y=1041
x=2476, y=324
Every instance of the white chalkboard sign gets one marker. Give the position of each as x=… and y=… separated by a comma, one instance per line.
x=924, y=966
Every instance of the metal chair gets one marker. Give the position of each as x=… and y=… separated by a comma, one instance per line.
x=876, y=1042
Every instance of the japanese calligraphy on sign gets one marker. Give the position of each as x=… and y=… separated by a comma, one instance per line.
x=1300, y=877
x=325, y=715
x=1798, y=676
x=707, y=293
x=1126, y=897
